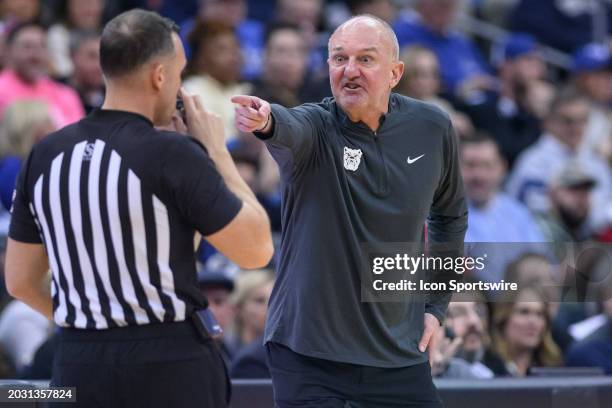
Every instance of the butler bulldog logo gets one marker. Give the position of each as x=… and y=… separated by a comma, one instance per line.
x=352, y=158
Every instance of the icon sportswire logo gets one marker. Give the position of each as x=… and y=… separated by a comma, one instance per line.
x=410, y=161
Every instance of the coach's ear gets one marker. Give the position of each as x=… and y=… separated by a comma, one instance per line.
x=396, y=73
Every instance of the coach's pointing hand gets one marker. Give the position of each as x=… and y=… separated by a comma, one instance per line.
x=252, y=114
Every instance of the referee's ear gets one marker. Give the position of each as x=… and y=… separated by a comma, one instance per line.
x=158, y=76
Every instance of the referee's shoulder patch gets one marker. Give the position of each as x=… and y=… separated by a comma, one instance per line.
x=88, y=151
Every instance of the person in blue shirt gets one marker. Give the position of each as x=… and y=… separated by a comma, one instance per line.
x=463, y=68
x=596, y=349
x=565, y=25
x=494, y=216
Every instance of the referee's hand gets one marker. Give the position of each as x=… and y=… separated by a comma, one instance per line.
x=253, y=114
x=204, y=125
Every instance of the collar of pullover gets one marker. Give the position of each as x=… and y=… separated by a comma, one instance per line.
x=360, y=128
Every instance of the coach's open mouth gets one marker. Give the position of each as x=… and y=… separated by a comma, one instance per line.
x=352, y=86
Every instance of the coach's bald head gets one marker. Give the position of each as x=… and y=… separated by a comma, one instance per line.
x=364, y=67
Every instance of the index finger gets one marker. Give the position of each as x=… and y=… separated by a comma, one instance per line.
x=245, y=100
x=188, y=101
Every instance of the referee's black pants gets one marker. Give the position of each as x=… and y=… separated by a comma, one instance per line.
x=308, y=382
x=159, y=365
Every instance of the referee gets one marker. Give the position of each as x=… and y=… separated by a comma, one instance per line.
x=112, y=206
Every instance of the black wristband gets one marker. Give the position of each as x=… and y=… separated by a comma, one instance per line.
x=264, y=126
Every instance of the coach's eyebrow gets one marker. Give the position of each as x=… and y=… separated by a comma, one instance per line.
x=368, y=49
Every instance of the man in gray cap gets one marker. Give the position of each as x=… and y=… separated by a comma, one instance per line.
x=570, y=197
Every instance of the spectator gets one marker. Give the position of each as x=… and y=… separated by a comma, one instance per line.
x=522, y=332
x=463, y=69
x=253, y=289
x=72, y=16
x=483, y=171
x=25, y=123
x=218, y=287
x=214, y=70
x=471, y=355
x=250, y=33
x=250, y=299
x=586, y=288
x=250, y=362
x=86, y=78
x=510, y=114
x=535, y=270
x=21, y=11
x=562, y=24
x=421, y=80
x=596, y=349
x=570, y=198
x=307, y=15
x=383, y=9
x=284, y=78
x=26, y=76
x=496, y=12
x=174, y=10
x=592, y=76
x=285, y=58
x=259, y=170
x=560, y=144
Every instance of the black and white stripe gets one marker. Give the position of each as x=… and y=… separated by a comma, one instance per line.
x=108, y=242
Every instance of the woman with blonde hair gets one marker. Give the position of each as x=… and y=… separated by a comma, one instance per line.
x=24, y=123
x=250, y=299
x=521, y=331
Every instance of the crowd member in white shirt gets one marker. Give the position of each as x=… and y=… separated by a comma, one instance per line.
x=561, y=143
x=214, y=70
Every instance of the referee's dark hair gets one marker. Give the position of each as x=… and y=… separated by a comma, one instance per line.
x=132, y=38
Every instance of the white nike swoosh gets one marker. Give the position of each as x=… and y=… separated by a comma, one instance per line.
x=410, y=161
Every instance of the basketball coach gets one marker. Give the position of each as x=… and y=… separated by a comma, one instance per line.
x=367, y=166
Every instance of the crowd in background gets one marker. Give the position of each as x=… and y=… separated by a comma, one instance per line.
x=535, y=149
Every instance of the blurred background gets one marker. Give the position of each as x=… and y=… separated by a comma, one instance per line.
x=527, y=84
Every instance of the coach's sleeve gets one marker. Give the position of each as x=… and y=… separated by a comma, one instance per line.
x=197, y=188
x=23, y=226
x=293, y=134
x=447, y=221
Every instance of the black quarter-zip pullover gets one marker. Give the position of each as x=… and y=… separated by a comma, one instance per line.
x=343, y=187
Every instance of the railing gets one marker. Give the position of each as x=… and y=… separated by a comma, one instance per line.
x=559, y=392
x=496, y=35
x=574, y=392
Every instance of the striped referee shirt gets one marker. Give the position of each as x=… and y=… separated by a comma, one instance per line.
x=116, y=204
